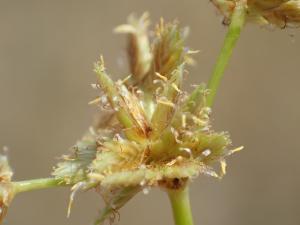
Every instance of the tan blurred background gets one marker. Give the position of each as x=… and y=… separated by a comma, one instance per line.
x=46, y=53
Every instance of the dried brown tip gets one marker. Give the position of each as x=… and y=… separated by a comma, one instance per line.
x=281, y=13
x=139, y=54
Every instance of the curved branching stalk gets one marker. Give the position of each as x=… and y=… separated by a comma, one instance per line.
x=236, y=24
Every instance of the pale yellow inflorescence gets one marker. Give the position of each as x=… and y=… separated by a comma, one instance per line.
x=151, y=133
x=156, y=134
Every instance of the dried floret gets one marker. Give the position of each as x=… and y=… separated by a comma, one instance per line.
x=6, y=187
x=281, y=13
x=139, y=52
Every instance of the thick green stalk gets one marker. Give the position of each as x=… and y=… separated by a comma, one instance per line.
x=181, y=206
x=37, y=184
x=233, y=34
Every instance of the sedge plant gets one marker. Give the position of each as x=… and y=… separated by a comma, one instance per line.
x=152, y=133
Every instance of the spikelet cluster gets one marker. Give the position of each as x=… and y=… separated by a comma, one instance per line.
x=281, y=13
x=6, y=186
x=154, y=134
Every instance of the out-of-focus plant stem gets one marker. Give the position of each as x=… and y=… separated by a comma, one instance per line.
x=236, y=24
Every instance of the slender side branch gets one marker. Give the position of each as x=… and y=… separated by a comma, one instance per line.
x=37, y=184
x=181, y=206
x=236, y=24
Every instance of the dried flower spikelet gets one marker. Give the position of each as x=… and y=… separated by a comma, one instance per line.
x=126, y=105
x=6, y=187
x=139, y=53
x=166, y=102
x=162, y=56
x=168, y=48
x=287, y=14
x=281, y=13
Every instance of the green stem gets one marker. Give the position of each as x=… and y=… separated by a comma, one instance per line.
x=233, y=34
x=181, y=206
x=37, y=184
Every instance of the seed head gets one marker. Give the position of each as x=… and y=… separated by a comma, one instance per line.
x=6, y=187
x=281, y=13
x=157, y=134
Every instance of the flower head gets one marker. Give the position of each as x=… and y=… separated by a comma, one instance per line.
x=280, y=13
x=158, y=135
x=6, y=187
